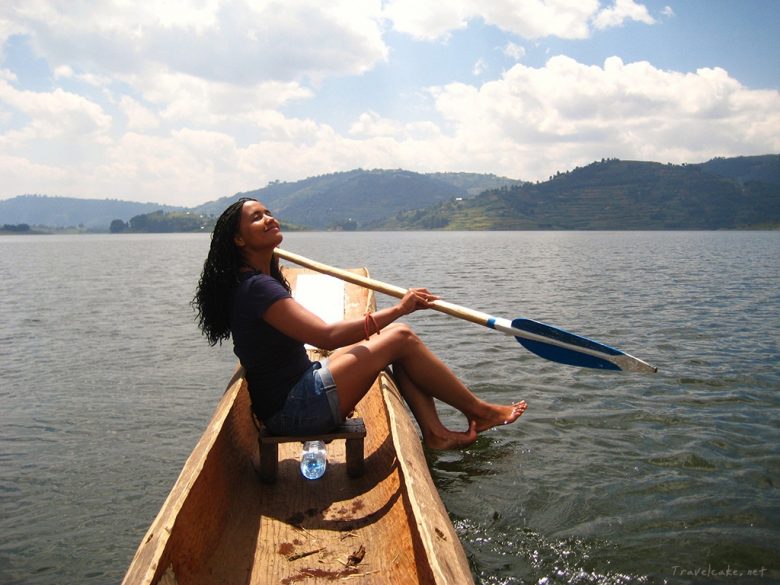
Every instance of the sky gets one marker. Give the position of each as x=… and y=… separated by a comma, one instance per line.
x=186, y=101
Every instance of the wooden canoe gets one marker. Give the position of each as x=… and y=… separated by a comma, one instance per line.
x=221, y=524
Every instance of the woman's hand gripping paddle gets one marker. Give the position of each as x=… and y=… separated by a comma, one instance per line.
x=544, y=340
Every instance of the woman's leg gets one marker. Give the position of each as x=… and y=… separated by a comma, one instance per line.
x=354, y=369
x=435, y=434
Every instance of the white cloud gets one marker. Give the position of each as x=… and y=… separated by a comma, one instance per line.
x=56, y=114
x=184, y=98
x=533, y=122
x=539, y=120
x=16, y=172
x=621, y=11
x=542, y=18
x=514, y=51
x=138, y=116
x=372, y=125
x=668, y=12
x=234, y=41
x=63, y=72
x=196, y=16
x=8, y=28
x=529, y=123
x=183, y=166
x=530, y=19
x=186, y=101
x=428, y=20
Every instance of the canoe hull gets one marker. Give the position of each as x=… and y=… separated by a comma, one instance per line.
x=221, y=524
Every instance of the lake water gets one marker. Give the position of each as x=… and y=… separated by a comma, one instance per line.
x=106, y=385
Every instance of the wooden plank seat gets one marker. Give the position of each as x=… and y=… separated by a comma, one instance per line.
x=352, y=430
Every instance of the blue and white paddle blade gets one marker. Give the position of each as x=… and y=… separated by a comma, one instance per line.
x=564, y=347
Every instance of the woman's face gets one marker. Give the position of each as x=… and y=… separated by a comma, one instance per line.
x=257, y=228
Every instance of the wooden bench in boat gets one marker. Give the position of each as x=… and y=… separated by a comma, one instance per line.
x=352, y=430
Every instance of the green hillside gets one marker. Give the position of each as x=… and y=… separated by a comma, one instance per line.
x=474, y=183
x=624, y=195
x=723, y=193
x=355, y=198
x=65, y=212
x=745, y=169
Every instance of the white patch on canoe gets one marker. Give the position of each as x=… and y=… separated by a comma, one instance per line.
x=323, y=295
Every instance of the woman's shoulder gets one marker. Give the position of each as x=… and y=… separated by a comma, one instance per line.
x=259, y=283
x=251, y=275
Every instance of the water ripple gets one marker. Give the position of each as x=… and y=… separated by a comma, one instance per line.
x=607, y=478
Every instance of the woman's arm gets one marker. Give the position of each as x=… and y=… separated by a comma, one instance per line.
x=296, y=321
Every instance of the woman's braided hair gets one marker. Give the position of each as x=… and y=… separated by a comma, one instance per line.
x=220, y=276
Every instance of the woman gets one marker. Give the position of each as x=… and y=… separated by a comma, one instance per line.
x=242, y=292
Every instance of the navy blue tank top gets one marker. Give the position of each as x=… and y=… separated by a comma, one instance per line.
x=273, y=361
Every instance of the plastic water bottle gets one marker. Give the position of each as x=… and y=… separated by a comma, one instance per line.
x=314, y=459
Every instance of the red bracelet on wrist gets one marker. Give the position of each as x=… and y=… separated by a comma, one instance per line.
x=378, y=331
x=369, y=318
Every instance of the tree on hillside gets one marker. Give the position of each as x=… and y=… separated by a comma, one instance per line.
x=18, y=228
x=117, y=226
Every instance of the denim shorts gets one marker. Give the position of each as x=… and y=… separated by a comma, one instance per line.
x=312, y=406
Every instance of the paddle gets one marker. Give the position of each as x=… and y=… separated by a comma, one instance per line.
x=544, y=340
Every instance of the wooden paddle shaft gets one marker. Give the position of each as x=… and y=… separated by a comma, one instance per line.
x=384, y=288
x=547, y=336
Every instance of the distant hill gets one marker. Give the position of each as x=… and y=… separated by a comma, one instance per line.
x=744, y=169
x=63, y=212
x=354, y=198
x=724, y=193
x=474, y=183
x=621, y=195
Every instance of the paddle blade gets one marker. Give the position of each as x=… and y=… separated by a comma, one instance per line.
x=580, y=351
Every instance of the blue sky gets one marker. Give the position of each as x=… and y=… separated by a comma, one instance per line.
x=185, y=101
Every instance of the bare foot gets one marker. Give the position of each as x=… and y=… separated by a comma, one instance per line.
x=447, y=439
x=496, y=414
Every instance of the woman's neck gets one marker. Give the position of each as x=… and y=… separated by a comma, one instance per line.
x=259, y=262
